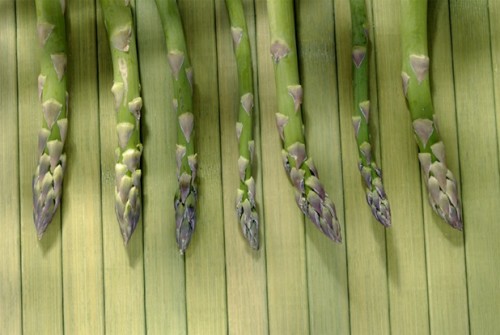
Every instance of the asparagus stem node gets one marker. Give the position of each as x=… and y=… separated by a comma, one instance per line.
x=186, y=158
x=246, y=210
x=370, y=172
x=310, y=194
x=127, y=104
x=441, y=184
x=48, y=178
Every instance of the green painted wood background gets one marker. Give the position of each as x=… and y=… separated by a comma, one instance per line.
x=419, y=277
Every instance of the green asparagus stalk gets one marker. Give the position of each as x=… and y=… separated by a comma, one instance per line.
x=185, y=197
x=245, y=201
x=441, y=184
x=371, y=173
x=128, y=105
x=48, y=177
x=310, y=194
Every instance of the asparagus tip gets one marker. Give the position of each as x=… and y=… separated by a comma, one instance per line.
x=457, y=225
x=127, y=220
x=246, y=212
x=333, y=232
x=42, y=216
x=321, y=212
x=127, y=233
x=185, y=217
x=380, y=208
x=125, y=239
x=250, y=230
x=442, y=187
x=453, y=217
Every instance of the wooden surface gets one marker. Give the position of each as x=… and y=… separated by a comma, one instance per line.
x=418, y=277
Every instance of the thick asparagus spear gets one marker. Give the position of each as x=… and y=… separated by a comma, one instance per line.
x=309, y=192
x=372, y=175
x=185, y=198
x=48, y=178
x=441, y=184
x=245, y=201
x=128, y=104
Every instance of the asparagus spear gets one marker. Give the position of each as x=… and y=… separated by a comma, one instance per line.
x=441, y=184
x=128, y=104
x=245, y=201
x=310, y=194
x=371, y=173
x=48, y=177
x=185, y=197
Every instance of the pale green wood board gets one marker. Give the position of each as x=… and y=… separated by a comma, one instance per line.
x=285, y=243
x=325, y=262
x=10, y=272
x=205, y=266
x=41, y=266
x=165, y=294
x=123, y=265
x=446, y=273
x=494, y=13
x=418, y=277
x=478, y=145
x=408, y=302
x=245, y=268
x=366, y=251
x=82, y=263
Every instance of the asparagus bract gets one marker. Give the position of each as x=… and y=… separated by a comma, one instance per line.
x=245, y=201
x=185, y=197
x=371, y=173
x=310, y=194
x=441, y=184
x=48, y=177
x=128, y=105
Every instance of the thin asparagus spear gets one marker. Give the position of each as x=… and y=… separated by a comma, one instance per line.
x=128, y=104
x=48, y=177
x=185, y=197
x=371, y=173
x=309, y=192
x=441, y=184
x=245, y=201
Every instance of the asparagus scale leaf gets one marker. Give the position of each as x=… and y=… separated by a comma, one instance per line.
x=186, y=157
x=310, y=194
x=48, y=177
x=440, y=182
x=245, y=200
x=128, y=105
x=370, y=172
